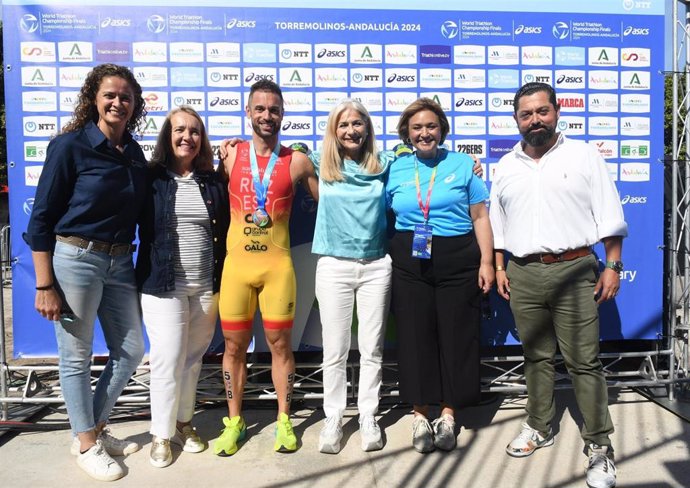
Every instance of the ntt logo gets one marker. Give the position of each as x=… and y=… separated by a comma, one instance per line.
x=449, y=29
x=561, y=30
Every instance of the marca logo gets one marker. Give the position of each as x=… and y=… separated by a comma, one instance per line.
x=469, y=54
x=74, y=76
x=570, y=56
x=401, y=54
x=433, y=54
x=149, y=52
x=635, y=31
x=502, y=125
x=252, y=75
x=397, y=101
x=504, y=55
x=635, y=126
x=504, y=78
x=35, y=151
x=37, y=52
x=635, y=57
x=38, y=76
x=570, y=79
x=571, y=125
x=469, y=125
x=39, y=101
x=603, y=126
x=634, y=149
x=635, y=172
x=186, y=52
x=32, y=174
x=443, y=99
x=113, y=51
x=297, y=126
x=401, y=78
x=223, y=52
x=635, y=103
x=330, y=77
x=603, y=102
x=372, y=100
x=536, y=75
x=240, y=24
x=296, y=77
x=366, y=53
x=561, y=30
x=223, y=76
x=29, y=23
x=527, y=29
x=156, y=101
x=156, y=24
x=603, y=80
x=469, y=78
x=40, y=126
x=635, y=80
x=603, y=56
x=330, y=53
x=296, y=101
x=476, y=147
x=295, y=53
x=115, y=22
x=537, y=55
x=151, y=76
x=607, y=148
x=572, y=102
x=259, y=52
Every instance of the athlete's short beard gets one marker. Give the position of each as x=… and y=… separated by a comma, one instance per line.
x=538, y=138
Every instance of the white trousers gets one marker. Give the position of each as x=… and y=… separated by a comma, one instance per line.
x=180, y=326
x=340, y=283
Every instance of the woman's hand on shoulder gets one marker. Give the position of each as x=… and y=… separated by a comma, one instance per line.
x=477, y=169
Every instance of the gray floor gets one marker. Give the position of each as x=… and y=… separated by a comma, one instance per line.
x=651, y=449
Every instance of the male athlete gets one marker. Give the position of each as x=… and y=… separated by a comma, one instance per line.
x=258, y=267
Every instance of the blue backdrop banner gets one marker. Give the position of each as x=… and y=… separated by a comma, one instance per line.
x=470, y=57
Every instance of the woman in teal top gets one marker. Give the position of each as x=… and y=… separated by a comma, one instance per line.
x=442, y=254
x=353, y=267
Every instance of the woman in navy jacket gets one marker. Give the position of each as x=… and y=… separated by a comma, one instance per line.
x=178, y=272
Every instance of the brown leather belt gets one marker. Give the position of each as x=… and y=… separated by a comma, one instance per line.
x=550, y=258
x=98, y=246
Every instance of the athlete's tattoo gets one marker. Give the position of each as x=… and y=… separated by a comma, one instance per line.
x=290, y=384
x=228, y=384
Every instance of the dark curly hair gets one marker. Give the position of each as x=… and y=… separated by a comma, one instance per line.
x=86, y=101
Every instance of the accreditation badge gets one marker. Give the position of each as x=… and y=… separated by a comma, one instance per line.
x=421, y=241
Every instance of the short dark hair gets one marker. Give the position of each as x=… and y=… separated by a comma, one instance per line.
x=416, y=107
x=267, y=86
x=530, y=88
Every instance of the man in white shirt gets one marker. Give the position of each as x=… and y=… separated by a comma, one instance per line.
x=551, y=200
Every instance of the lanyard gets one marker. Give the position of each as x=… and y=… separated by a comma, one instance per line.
x=424, y=208
x=261, y=187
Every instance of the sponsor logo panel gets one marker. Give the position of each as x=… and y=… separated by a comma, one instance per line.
x=366, y=77
x=295, y=53
x=636, y=57
x=502, y=125
x=187, y=76
x=331, y=77
x=75, y=52
x=603, y=102
x=537, y=55
x=570, y=79
x=149, y=52
x=297, y=125
x=635, y=80
x=397, y=101
x=635, y=172
x=443, y=99
x=40, y=126
x=39, y=76
x=32, y=174
x=223, y=76
x=504, y=78
x=401, y=78
x=435, y=78
x=470, y=125
x=151, y=76
x=571, y=125
x=571, y=102
x=635, y=103
x=156, y=101
x=603, y=126
x=298, y=101
x=400, y=53
x=607, y=148
x=603, y=56
x=68, y=101
x=433, y=54
x=74, y=76
x=570, y=56
x=113, y=52
x=634, y=149
x=476, y=147
x=195, y=99
x=635, y=126
x=372, y=100
x=252, y=75
x=537, y=76
x=223, y=52
x=37, y=52
x=225, y=125
x=35, y=151
x=469, y=54
x=469, y=78
x=296, y=77
x=327, y=100
x=259, y=52
x=501, y=102
x=39, y=101
x=470, y=102
x=186, y=52
x=366, y=53
x=330, y=53
x=603, y=80
x=500, y=147
x=503, y=55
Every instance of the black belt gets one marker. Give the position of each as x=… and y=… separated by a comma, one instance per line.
x=550, y=258
x=98, y=246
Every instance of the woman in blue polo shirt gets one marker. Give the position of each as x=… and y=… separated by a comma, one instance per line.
x=89, y=198
x=442, y=254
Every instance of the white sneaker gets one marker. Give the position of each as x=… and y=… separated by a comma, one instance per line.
x=528, y=441
x=601, y=472
x=112, y=445
x=160, y=455
x=422, y=434
x=370, y=433
x=444, y=432
x=98, y=464
x=330, y=436
x=188, y=439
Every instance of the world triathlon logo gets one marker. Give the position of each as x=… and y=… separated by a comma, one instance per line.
x=449, y=29
x=29, y=23
x=156, y=24
x=561, y=30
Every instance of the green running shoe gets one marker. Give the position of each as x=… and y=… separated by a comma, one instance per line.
x=235, y=430
x=286, y=441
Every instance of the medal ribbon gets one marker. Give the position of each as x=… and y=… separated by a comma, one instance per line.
x=261, y=187
x=424, y=208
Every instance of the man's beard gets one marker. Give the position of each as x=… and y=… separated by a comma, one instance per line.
x=539, y=138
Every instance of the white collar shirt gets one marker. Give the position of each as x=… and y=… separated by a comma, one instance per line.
x=565, y=201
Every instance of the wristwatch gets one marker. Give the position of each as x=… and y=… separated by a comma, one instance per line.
x=617, y=266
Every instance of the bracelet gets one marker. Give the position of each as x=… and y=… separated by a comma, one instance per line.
x=46, y=287
x=500, y=268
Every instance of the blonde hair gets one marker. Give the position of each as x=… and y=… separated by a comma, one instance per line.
x=331, y=152
x=163, y=152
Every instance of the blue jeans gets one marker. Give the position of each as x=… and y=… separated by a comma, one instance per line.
x=96, y=284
